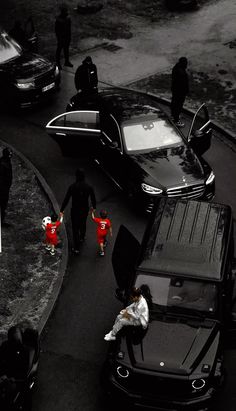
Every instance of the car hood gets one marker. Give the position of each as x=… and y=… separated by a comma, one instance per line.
x=172, y=347
x=170, y=167
x=27, y=65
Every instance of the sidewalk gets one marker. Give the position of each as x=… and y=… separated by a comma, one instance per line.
x=30, y=278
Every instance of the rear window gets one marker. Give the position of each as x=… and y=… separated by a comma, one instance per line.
x=9, y=48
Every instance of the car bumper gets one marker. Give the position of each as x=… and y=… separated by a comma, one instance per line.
x=119, y=393
x=28, y=98
x=147, y=202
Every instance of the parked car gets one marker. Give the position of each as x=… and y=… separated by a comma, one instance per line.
x=25, y=78
x=138, y=145
x=187, y=260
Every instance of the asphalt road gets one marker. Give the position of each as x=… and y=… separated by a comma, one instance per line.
x=73, y=349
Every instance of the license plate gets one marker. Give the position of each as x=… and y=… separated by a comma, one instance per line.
x=46, y=88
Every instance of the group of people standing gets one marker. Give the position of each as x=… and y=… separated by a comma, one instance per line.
x=86, y=79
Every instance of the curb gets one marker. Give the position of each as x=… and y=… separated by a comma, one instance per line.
x=216, y=126
x=48, y=192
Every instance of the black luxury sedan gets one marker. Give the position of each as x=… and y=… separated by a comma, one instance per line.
x=138, y=145
x=25, y=77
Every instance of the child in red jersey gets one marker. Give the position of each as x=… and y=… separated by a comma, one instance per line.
x=51, y=233
x=103, y=226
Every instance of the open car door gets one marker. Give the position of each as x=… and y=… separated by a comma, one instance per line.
x=124, y=257
x=75, y=130
x=200, y=131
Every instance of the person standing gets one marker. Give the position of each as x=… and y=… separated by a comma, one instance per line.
x=136, y=314
x=86, y=79
x=179, y=88
x=5, y=181
x=63, y=35
x=103, y=226
x=80, y=192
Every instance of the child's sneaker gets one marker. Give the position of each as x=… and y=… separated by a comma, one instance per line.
x=101, y=253
x=52, y=252
x=47, y=247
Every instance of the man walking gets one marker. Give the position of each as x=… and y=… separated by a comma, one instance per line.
x=5, y=181
x=80, y=192
x=179, y=88
x=86, y=79
x=63, y=34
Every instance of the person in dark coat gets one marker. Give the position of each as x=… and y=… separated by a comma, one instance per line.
x=80, y=192
x=86, y=79
x=5, y=180
x=179, y=88
x=63, y=34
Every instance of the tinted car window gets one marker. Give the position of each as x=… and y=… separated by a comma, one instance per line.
x=110, y=128
x=89, y=120
x=9, y=49
x=149, y=134
x=182, y=293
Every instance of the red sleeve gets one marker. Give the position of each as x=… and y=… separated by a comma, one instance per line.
x=96, y=219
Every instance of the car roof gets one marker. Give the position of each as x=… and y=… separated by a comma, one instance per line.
x=188, y=238
x=128, y=105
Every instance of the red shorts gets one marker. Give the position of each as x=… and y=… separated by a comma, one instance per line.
x=101, y=237
x=53, y=240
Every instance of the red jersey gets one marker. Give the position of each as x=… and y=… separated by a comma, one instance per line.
x=103, y=225
x=51, y=232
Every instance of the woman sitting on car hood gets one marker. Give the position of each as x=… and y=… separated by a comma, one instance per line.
x=136, y=314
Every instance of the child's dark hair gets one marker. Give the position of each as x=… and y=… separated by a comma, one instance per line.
x=53, y=217
x=103, y=213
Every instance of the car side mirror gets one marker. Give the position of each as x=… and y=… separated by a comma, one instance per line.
x=197, y=134
x=114, y=144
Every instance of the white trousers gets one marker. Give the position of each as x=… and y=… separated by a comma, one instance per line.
x=122, y=321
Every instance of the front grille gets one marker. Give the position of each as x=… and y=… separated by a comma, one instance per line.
x=155, y=387
x=45, y=79
x=186, y=191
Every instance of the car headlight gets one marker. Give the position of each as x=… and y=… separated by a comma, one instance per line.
x=150, y=189
x=57, y=71
x=25, y=85
x=211, y=178
x=198, y=384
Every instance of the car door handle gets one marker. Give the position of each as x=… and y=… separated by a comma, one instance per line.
x=61, y=134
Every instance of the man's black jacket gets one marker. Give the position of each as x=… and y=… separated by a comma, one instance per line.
x=80, y=192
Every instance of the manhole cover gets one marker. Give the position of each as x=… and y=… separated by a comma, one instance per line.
x=112, y=47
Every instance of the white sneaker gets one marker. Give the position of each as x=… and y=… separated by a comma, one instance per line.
x=110, y=337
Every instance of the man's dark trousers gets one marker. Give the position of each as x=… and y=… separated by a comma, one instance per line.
x=78, y=221
x=177, y=103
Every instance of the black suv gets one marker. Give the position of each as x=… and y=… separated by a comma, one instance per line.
x=25, y=77
x=186, y=259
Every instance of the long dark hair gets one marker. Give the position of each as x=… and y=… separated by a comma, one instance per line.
x=146, y=293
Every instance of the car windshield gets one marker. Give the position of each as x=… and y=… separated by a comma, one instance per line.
x=150, y=134
x=189, y=295
x=9, y=48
